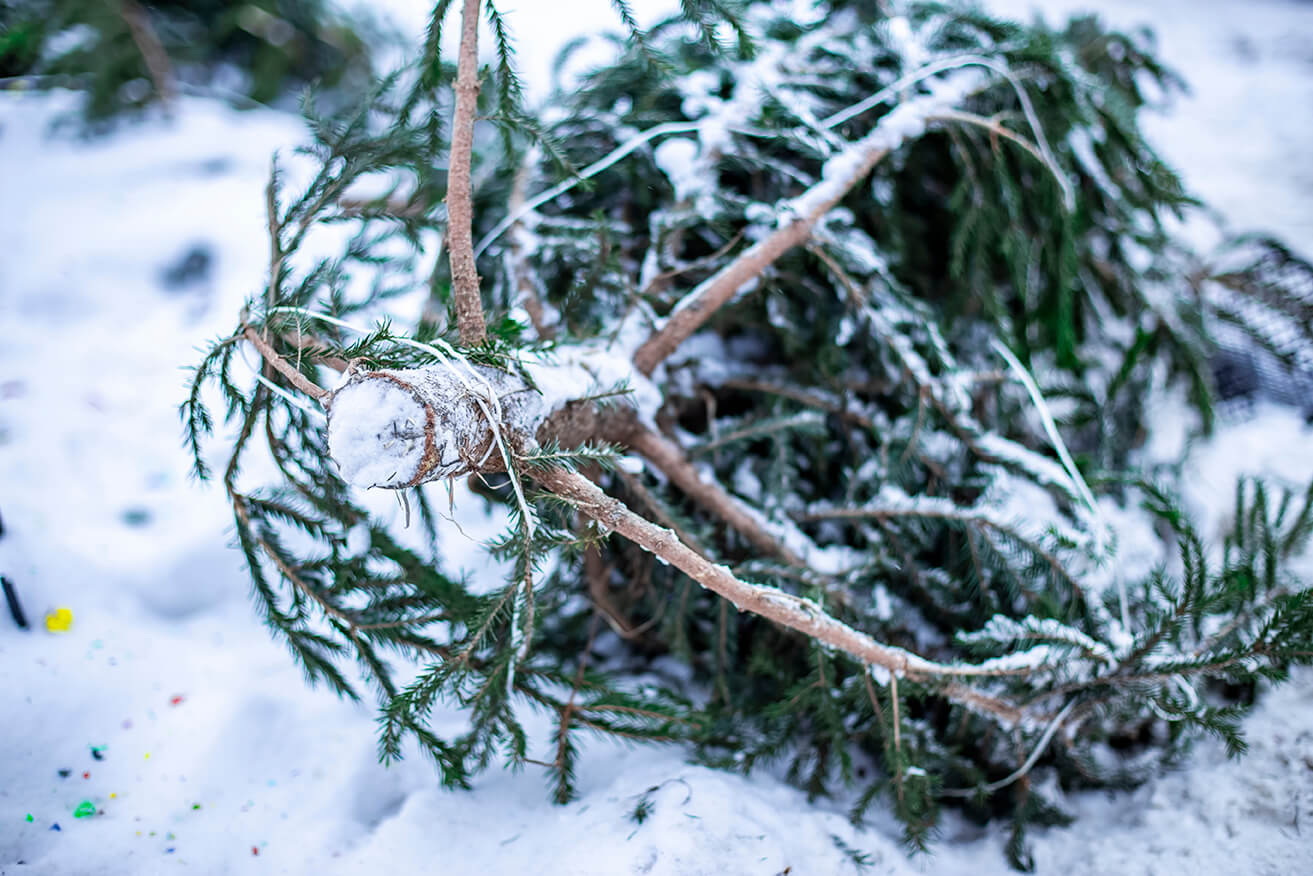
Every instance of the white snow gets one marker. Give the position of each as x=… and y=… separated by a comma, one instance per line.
x=677, y=157
x=103, y=519
x=376, y=433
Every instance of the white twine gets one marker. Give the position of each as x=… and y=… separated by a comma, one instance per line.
x=483, y=395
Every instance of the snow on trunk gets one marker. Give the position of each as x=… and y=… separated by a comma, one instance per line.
x=401, y=428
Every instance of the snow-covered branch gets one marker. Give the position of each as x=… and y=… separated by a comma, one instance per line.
x=798, y=217
x=804, y=615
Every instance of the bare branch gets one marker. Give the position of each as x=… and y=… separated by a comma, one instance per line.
x=713, y=293
x=460, y=209
x=281, y=365
x=152, y=51
x=841, y=174
x=670, y=460
x=794, y=612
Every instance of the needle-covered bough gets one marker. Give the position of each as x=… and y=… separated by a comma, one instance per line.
x=766, y=394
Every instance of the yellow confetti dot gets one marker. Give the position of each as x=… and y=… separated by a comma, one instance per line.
x=113, y=796
x=60, y=620
x=148, y=755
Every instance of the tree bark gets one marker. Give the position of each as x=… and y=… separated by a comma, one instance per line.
x=791, y=611
x=666, y=457
x=840, y=175
x=460, y=210
x=712, y=294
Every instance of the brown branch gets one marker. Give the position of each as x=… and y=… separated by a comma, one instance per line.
x=598, y=575
x=662, y=280
x=794, y=612
x=460, y=210
x=400, y=208
x=898, y=735
x=317, y=350
x=281, y=365
x=974, y=699
x=667, y=458
x=152, y=50
x=709, y=296
x=654, y=507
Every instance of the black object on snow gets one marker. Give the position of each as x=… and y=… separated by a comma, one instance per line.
x=193, y=268
x=11, y=596
x=15, y=607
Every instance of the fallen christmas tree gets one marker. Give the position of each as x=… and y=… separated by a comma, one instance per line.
x=771, y=394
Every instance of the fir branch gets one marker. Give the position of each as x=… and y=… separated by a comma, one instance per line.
x=588, y=172
x=842, y=173
x=791, y=611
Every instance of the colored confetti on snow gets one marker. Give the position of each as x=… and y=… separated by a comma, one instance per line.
x=98, y=751
x=60, y=620
x=86, y=775
x=85, y=809
x=56, y=827
x=30, y=818
x=64, y=774
x=176, y=700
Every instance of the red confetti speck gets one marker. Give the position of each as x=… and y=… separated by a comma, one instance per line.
x=176, y=700
x=255, y=850
x=86, y=775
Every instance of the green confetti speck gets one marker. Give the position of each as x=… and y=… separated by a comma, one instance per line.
x=85, y=809
x=29, y=817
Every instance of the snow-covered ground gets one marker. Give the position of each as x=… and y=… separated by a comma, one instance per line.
x=217, y=759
